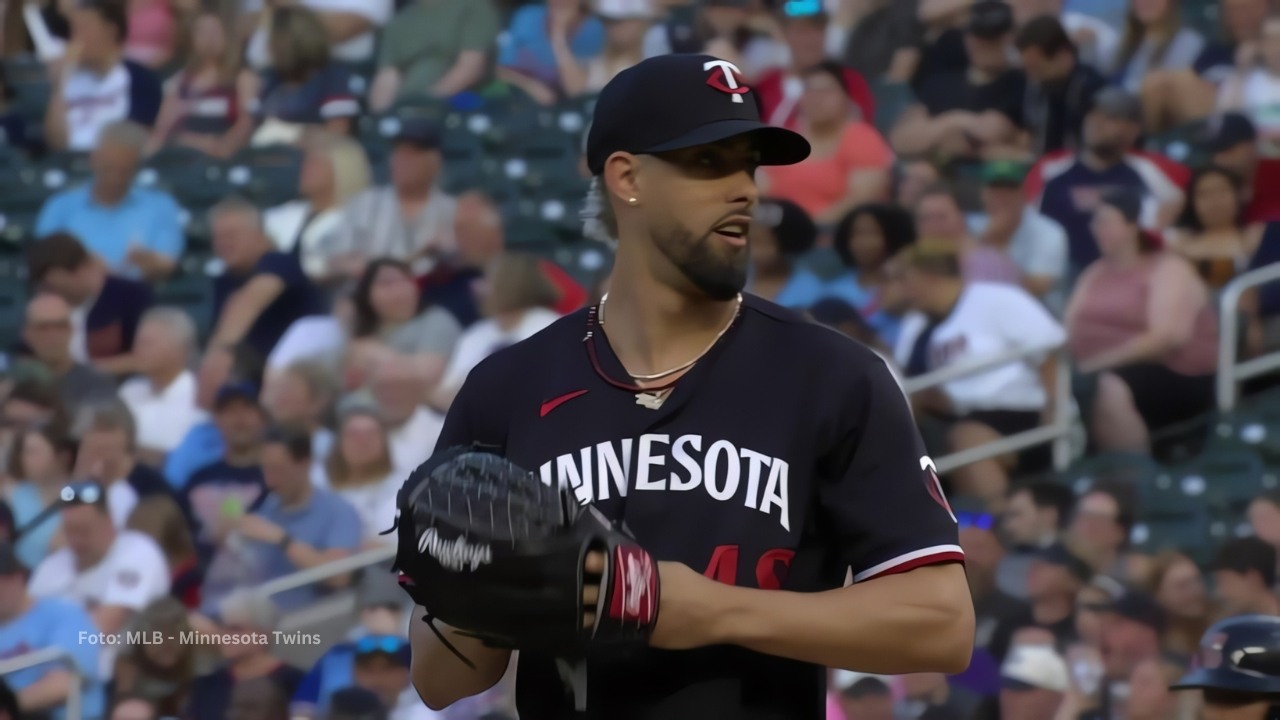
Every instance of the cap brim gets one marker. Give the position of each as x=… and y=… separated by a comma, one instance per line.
x=777, y=146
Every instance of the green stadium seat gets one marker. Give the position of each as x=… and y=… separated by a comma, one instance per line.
x=1225, y=479
x=267, y=176
x=1181, y=144
x=195, y=180
x=1133, y=470
x=29, y=80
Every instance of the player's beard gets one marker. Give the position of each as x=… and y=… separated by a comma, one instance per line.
x=719, y=275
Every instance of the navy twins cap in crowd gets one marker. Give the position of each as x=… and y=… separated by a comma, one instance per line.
x=672, y=102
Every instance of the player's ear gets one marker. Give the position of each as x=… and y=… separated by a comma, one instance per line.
x=620, y=176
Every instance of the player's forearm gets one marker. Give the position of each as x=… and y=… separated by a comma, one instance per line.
x=919, y=621
x=439, y=676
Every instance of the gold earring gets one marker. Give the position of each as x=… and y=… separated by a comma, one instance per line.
x=632, y=201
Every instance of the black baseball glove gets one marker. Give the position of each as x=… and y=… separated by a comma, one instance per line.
x=489, y=549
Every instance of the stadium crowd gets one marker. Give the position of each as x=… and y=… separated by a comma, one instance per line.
x=986, y=177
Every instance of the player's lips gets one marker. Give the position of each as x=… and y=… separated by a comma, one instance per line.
x=734, y=231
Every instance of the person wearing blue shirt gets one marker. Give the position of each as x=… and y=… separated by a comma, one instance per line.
x=866, y=239
x=540, y=37
x=137, y=231
x=783, y=231
x=261, y=293
x=29, y=624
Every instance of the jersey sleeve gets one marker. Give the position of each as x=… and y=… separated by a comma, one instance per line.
x=881, y=495
x=475, y=415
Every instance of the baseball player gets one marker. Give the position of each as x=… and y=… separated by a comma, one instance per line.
x=1238, y=669
x=757, y=457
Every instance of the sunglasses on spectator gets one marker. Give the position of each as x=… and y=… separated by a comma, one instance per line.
x=979, y=520
x=87, y=493
x=389, y=644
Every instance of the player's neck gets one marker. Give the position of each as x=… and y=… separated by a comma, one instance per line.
x=653, y=328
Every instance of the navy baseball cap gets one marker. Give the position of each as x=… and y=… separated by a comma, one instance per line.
x=236, y=391
x=672, y=102
x=1231, y=130
x=419, y=132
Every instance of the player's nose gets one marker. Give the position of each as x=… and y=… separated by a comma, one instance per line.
x=743, y=189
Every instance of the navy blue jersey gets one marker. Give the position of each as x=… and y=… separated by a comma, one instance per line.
x=784, y=457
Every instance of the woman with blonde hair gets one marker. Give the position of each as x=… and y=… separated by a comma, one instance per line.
x=360, y=470
x=304, y=87
x=206, y=105
x=516, y=301
x=1178, y=586
x=334, y=169
x=159, y=517
x=1154, y=40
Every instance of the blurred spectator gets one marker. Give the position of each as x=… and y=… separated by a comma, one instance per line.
x=1061, y=88
x=398, y=391
x=203, y=444
x=160, y=518
x=1034, y=516
x=1154, y=40
x=974, y=109
x=40, y=462
x=108, y=439
x=743, y=34
x=541, y=39
x=866, y=698
x=216, y=494
x=1101, y=522
x=998, y=615
x=1172, y=99
x=354, y=703
x=1212, y=232
x=248, y=621
x=94, y=85
x=626, y=23
x=33, y=401
x=257, y=699
x=1091, y=602
x=437, y=48
x=297, y=526
x=1178, y=587
x=1053, y=580
x=928, y=696
x=303, y=395
x=28, y=623
x=850, y=161
x=334, y=169
x=912, y=179
x=1264, y=518
x=261, y=291
x=381, y=664
x=128, y=707
x=478, y=234
x=1144, y=322
x=1131, y=632
x=411, y=219
x=1035, y=244
x=390, y=320
x=516, y=303
x=1033, y=682
x=954, y=321
x=304, y=86
x=359, y=470
x=162, y=396
x=1068, y=188
x=348, y=26
x=1244, y=577
x=1096, y=41
x=865, y=240
x=782, y=232
x=780, y=90
x=883, y=43
x=1233, y=142
x=13, y=124
x=107, y=309
x=135, y=230
x=1149, y=695
x=1254, y=88
x=206, y=105
x=111, y=573
x=47, y=332
x=152, y=29
x=161, y=673
x=939, y=218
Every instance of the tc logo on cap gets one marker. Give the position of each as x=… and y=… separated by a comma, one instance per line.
x=726, y=77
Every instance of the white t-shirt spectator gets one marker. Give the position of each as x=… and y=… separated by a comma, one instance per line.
x=132, y=574
x=988, y=319
x=485, y=338
x=374, y=503
x=358, y=49
x=412, y=443
x=1038, y=247
x=127, y=92
x=163, y=417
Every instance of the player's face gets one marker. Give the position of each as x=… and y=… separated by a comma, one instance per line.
x=699, y=204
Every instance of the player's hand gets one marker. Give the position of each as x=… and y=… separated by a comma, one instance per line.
x=594, y=567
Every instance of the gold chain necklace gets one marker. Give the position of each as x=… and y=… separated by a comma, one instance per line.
x=667, y=373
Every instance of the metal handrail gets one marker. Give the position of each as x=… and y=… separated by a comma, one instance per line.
x=1231, y=374
x=320, y=573
x=51, y=655
x=1058, y=432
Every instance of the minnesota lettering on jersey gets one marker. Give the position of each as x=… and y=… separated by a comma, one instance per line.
x=659, y=463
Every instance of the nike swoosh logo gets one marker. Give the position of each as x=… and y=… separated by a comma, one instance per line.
x=554, y=403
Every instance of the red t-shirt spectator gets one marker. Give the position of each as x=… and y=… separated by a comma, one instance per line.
x=779, y=92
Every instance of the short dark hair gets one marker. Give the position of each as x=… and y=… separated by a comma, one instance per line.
x=1047, y=494
x=1045, y=34
x=295, y=439
x=896, y=224
x=35, y=391
x=113, y=12
x=1245, y=555
x=1124, y=496
x=59, y=251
